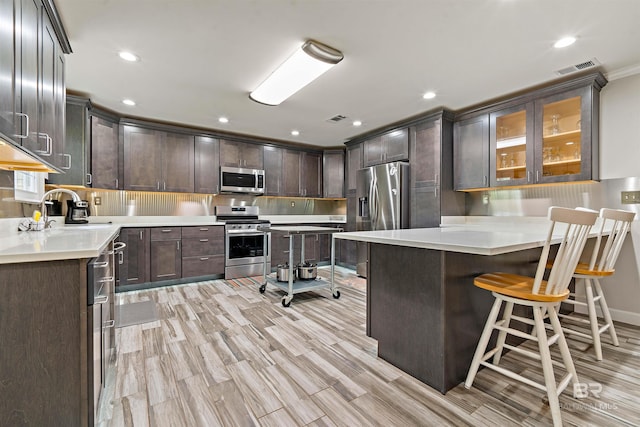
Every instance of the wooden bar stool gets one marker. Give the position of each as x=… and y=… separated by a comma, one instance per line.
x=543, y=296
x=617, y=223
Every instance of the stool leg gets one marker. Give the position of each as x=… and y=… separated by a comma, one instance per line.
x=562, y=344
x=483, y=342
x=547, y=367
x=606, y=314
x=593, y=318
x=502, y=335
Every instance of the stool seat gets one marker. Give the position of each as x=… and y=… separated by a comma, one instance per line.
x=517, y=286
x=584, y=269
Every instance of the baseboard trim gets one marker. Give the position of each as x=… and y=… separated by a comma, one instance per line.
x=622, y=316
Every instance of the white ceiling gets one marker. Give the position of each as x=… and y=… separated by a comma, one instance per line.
x=201, y=58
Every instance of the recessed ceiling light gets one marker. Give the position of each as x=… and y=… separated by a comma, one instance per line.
x=564, y=42
x=128, y=56
x=357, y=123
x=223, y=120
x=295, y=132
x=429, y=95
x=128, y=102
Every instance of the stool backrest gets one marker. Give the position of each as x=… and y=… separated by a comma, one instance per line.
x=578, y=225
x=619, y=222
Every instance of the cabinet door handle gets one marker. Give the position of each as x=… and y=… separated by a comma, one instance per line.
x=116, y=183
x=164, y=230
x=204, y=240
x=109, y=323
x=204, y=229
x=485, y=181
x=204, y=259
x=537, y=176
x=164, y=185
x=101, y=299
x=528, y=176
x=106, y=279
x=47, y=150
x=101, y=264
x=158, y=185
x=141, y=232
x=68, y=156
x=120, y=257
x=178, y=245
x=89, y=179
x=26, y=134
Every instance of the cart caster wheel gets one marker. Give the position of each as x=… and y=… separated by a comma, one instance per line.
x=336, y=295
x=263, y=288
x=286, y=303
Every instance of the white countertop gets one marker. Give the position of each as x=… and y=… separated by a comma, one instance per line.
x=68, y=242
x=473, y=235
x=65, y=241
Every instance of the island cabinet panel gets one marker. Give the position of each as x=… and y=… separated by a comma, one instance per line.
x=425, y=312
x=241, y=154
x=105, y=159
x=207, y=165
x=202, y=251
x=45, y=362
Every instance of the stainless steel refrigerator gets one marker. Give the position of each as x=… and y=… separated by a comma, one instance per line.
x=383, y=202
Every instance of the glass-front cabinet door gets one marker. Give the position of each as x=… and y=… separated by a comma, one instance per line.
x=563, y=137
x=511, y=142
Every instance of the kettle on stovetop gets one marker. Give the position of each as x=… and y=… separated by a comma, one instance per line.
x=77, y=212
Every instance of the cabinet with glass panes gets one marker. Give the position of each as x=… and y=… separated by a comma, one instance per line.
x=548, y=138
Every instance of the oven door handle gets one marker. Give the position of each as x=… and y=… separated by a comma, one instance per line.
x=245, y=233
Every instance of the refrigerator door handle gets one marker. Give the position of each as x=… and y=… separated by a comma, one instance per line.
x=373, y=202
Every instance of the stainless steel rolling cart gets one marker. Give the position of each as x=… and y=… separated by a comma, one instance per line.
x=291, y=287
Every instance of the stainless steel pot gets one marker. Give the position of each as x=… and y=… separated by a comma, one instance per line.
x=307, y=271
x=282, y=273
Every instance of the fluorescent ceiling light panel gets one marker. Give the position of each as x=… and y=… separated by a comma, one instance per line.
x=306, y=64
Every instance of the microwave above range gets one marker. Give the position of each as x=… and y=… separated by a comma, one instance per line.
x=240, y=180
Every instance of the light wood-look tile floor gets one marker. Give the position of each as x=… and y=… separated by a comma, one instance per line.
x=221, y=353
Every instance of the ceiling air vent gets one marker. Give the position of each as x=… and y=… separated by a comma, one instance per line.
x=337, y=118
x=578, y=67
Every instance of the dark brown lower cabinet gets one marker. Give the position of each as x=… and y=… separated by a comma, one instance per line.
x=166, y=253
x=158, y=254
x=202, y=251
x=134, y=268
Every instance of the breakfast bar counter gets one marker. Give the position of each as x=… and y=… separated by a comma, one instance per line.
x=422, y=307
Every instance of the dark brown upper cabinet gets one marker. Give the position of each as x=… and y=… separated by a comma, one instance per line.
x=241, y=154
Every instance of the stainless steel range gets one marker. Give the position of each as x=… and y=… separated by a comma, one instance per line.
x=245, y=236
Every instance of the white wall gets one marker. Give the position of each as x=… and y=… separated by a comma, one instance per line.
x=619, y=158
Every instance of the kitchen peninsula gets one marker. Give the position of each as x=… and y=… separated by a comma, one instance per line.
x=422, y=306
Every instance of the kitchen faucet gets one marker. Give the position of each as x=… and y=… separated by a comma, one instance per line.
x=43, y=205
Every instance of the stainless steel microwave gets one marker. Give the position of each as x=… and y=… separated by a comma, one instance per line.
x=240, y=180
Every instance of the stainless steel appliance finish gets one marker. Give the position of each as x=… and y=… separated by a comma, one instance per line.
x=383, y=202
x=240, y=180
x=245, y=244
